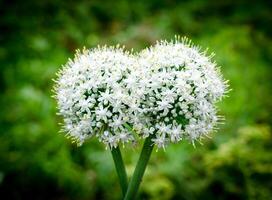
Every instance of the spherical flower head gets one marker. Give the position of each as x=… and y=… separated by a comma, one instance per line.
x=93, y=95
x=180, y=87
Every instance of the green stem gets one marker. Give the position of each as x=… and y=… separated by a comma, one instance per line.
x=139, y=170
x=120, y=168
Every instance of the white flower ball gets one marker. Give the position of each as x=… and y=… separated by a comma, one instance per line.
x=180, y=86
x=93, y=95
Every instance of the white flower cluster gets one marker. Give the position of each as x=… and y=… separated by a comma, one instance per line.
x=93, y=95
x=167, y=92
x=180, y=87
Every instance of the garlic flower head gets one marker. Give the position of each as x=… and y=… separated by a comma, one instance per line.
x=92, y=93
x=180, y=87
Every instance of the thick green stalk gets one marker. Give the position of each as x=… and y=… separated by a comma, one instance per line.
x=120, y=168
x=139, y=170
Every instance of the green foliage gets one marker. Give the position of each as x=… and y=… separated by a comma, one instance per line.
x=37, y=37
x=242, y=166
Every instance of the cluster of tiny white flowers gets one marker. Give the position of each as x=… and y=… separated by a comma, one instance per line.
x=167, y=92
x=180, y=87
x=93, y=95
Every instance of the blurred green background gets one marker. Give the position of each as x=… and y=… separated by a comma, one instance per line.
x=37, y=37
